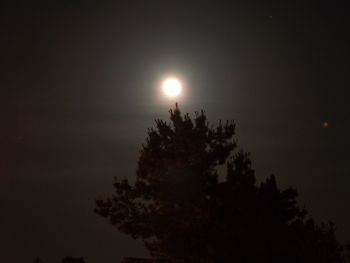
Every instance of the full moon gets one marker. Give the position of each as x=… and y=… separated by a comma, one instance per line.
x=172, y=87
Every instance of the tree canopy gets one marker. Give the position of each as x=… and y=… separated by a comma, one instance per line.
x=184, y=211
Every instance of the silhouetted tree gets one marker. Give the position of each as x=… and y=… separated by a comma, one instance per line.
x=38, y=260
x=68, y=259
x=183, y=212
x=72, y=260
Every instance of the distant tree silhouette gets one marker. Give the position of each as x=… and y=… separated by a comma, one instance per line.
x=38, y=260
x=183, y=212
x=72, y=260
x=68, y=259
x=140, y=260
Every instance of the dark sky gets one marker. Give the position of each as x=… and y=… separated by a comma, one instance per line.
x=79, y=90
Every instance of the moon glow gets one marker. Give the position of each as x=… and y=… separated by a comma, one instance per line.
x=172, y=87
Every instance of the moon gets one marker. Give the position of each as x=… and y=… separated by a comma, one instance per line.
x=172, y=87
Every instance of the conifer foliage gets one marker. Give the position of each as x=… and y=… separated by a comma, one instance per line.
x=184, y=213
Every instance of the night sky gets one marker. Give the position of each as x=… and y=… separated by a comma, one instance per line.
x=80, y=86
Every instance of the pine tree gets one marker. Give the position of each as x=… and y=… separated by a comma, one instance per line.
x=184, y=213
